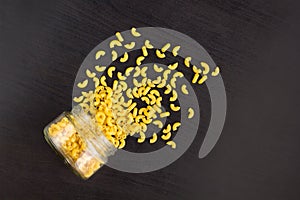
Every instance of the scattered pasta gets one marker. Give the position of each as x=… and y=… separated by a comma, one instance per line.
x=216, y=71
x=83, y=84
x=99, y=54
x=191, y=113
x=134, y=32
x=175, y=51
x=184, y=89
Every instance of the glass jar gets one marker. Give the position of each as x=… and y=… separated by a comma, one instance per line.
x=78, y=139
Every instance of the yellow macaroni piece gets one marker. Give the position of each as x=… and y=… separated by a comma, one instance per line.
x=164, y=114
x=130, y=45
x=202, y=80
x=90, y=74
x=143, y=71
x=196, y=70
x=173, y=82
x=110, y=71
x=102, y=80
x=121, y=77
x=114, y=55
x=191, y=113
x=172, y=144
x=153, y=139
x=148, y=44
x=99, y=54
x=157, y=69
x=174, y=108
x=139, y=60
x=162, y=84
x=159, y=54
x=184, y=89
x=137, y=71
x=187, y=61
x=176, y=125
x=167, y=129
x=114, y=43
x=206, y=67
x=175, y=51
x=173, y=66
x=167, y=136
x=96, y=81
x=158, y=123
x=119, y=36
x=100, y=69
x=134, y=32
x=216, y=71
x=144, y=50
x=165, y=47
x=168, y=90
x=83, y=84
x=124, y=58
x=174, y=97
x=128, y=71
x=129, y=94
x=195, y=78
x=78, y=99
x=178, y=74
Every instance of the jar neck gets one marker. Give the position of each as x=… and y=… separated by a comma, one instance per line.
x=91, y=133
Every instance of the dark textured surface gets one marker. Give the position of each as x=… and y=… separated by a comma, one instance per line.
x=42, y=45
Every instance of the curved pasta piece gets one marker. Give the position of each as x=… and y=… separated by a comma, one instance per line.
x=114, y=43
x=121, y=77
x=172, y=144
x=184, y=89
x=168, y=90
x=124, y=58
x=174, y=97
x=83, y=84
x=195, y=78
x=144, y=50
x=167, y=136
x=78, y=99
x=119, y=36
x=90, y=74
x=165, y=47
x=164, y=114
x=196, y=70
x=202, y=80
x=110, y=71
x=173, y=82
x=173, y=66
x=139, y=60
x=100, y=68
x=216, y=72
x=206, y=67
x=148, y=44
x=167, y=129
x=157, y=69
x=191, y=113
x=187, y=61
x=176, y=125
x=158, y=123
x=153, y=139
x=128, y=71
x=159, y=54
x=99, y=54
x=130, y=45
x=134, y=32
x=114, y=55
x=175, y=51
x=174, y=108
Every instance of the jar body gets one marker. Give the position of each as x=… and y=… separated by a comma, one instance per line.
x=74, y=136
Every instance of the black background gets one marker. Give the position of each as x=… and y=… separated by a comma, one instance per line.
x=42, y=45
